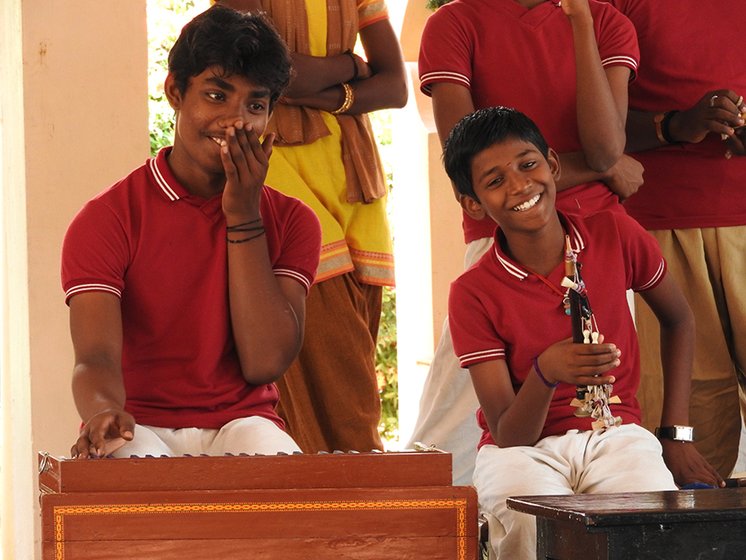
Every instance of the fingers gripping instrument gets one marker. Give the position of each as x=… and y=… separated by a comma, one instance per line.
x=591, y=400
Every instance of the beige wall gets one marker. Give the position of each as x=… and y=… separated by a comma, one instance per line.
x=16, y=467
x=445, y=236
x=79, y=124
x=85, y=83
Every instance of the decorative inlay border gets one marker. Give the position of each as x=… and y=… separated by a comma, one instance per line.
x=61, y=512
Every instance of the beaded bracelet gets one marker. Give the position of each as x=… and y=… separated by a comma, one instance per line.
x=235, y=229
x=245, y=239
x=541, y=375
x=349, y=99
x=238, y=226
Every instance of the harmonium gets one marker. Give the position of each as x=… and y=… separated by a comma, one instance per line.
x=264, y=507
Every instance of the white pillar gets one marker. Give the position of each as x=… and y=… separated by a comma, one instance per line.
x=73, y=119
x=16, y=466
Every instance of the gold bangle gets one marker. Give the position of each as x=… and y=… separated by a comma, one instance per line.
x=349, y=99
x=658, y=119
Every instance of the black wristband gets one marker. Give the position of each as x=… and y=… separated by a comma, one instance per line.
x=665, y=126
x=676, y=433
x=245, y=239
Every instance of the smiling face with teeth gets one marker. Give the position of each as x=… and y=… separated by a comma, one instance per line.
x=212, y=102
x=514, y=184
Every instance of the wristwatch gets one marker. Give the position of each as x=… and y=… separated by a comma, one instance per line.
x=676, y=433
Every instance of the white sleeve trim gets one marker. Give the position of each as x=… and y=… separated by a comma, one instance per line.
x=481, y=356
x=303, y=279
x=655, y=279
x=428, y=78
x=620, y=59
x=92, y=288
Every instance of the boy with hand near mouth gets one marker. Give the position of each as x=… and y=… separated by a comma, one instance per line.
x=187, y=279
x=511, y=331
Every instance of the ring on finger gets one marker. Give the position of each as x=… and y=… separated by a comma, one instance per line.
x=712, y=100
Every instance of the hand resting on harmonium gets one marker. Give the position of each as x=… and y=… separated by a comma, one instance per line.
x=103, y=434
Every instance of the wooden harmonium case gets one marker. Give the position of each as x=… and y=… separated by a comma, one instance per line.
x=290, y=507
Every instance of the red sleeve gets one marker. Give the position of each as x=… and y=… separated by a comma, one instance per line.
x=474, y=337
x=300, y=246
x=617, y=38
x=644, y=260
x=446, y=51
x=95, y=252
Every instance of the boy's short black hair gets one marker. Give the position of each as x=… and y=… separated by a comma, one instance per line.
x=480, y=130
x=243, y=44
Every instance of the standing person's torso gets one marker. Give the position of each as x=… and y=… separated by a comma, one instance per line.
x=508, y=55
x=687, y=50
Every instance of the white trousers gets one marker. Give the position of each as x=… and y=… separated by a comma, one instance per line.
x=448, y=403
x=250, y=435
x=624, y=459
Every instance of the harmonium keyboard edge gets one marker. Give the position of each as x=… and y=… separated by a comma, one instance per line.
x=237, y=472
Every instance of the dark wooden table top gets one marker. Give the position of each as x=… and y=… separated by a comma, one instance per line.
x=601, y=510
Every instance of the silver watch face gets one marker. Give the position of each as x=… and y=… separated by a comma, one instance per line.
x=683, y=433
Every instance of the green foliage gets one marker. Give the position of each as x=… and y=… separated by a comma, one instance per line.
x=386, y=368
x=386, y=360
x=165, y=20
x=435, y=4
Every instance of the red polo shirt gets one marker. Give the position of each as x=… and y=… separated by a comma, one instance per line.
x=163, y=252
x=508, y=55
x=498, y=310
x=688, y=185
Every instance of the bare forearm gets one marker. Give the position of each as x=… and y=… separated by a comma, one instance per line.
x=380, y=91
x=383, y=90
x=387, y=85
x=266, y=328
x=517, y=419
x=381, y=85
x=367, y=97
x=575, y=171
x=600, y=117
x=677, y=336
x=314, y=74
x=97, y=388
x=523, y=421
x=677, y=343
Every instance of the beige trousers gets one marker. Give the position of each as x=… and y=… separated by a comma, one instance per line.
x=710, y=267
x=623, y=459
x=329, y=397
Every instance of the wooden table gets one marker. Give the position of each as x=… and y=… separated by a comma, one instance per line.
x=677, y=525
